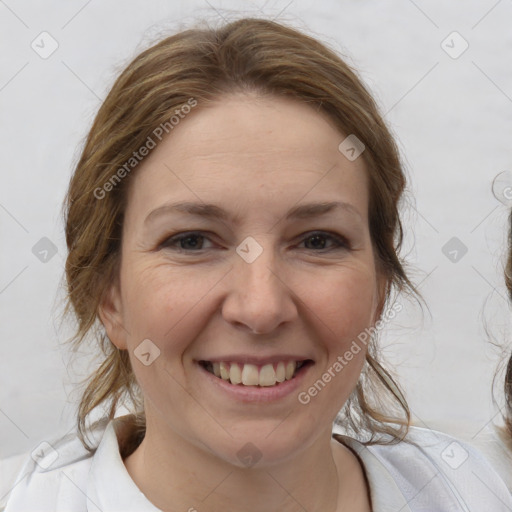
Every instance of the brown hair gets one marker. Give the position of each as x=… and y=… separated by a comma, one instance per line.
x=508, y=372
x=204, y=64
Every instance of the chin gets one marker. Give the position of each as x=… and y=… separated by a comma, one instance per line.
x=265, y=443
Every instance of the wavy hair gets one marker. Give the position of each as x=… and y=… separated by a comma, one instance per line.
x=508, y=372
x=205, y=64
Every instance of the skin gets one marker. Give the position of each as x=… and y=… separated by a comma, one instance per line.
x=257, y=157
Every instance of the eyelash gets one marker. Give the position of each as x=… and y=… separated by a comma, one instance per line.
x=341, y=242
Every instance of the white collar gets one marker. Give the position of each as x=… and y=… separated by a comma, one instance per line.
x=110, y=486
x=384, y=491
x=405, y=476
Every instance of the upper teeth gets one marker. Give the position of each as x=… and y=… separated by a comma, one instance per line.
x=252, y=375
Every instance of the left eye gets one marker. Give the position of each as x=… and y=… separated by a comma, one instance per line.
x=320, y=238
x=193, y=241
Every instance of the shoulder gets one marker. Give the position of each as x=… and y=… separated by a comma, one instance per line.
x=496, y=444
x=54, y=470
x=9, y=471
x=433, y=471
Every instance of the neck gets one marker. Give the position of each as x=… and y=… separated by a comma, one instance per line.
x=175, y=474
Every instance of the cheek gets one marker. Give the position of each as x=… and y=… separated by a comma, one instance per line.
x=344, y=303
x=344, y=308
x=160, y=302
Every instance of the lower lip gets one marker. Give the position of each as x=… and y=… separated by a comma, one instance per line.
x=251, y=394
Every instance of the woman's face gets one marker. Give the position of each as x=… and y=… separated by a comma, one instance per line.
x=233, y=263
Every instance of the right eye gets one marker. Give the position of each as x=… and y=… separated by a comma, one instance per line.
x=191, y=241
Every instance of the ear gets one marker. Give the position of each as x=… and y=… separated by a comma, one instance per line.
x=110, y=311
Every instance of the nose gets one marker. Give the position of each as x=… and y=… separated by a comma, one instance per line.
x=259, y=298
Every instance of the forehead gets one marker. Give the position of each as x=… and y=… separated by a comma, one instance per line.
x=251, y=150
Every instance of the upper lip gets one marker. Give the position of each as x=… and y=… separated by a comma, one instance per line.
x=256, y=360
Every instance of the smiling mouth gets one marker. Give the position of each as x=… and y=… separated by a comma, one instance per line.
x=267, y=375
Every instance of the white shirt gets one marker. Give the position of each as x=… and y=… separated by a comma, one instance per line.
x=433, y=473
x=496, y=444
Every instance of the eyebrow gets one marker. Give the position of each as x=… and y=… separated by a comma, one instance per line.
x=213, y=211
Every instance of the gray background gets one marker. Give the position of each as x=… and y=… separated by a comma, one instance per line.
x=452, y=118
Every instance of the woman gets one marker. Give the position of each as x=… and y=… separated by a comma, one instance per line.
x=233, y=231
x=506, y=433
x=495, y=441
